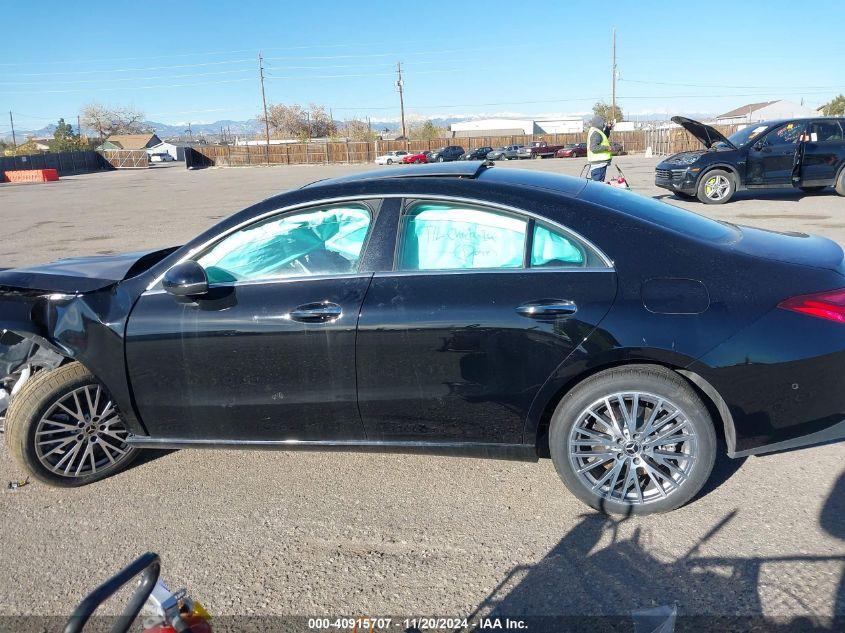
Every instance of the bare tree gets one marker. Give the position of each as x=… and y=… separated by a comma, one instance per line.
x=113, y=120
x=294, y=121
x=357, y=130
x=427, y=131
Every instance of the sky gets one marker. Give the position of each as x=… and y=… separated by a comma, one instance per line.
x=189, y=61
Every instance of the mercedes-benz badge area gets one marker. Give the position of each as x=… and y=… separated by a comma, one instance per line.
x=805, y=153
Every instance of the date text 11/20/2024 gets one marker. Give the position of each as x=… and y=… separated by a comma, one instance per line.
x=364, y=624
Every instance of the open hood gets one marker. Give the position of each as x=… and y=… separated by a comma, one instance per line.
x=709, y=136
x=81, y=274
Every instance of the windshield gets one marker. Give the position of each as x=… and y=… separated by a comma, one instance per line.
x=746, y=134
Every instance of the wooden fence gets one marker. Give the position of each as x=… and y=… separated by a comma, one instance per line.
x=666, y=140
x=126, y=158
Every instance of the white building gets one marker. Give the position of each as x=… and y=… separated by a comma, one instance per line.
x=175, y=148
x=515, y=127
x=765, y=111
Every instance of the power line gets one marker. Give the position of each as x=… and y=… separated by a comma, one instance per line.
x=665, y=83
x=135, y=88
x=130, y=70
x=88, y=81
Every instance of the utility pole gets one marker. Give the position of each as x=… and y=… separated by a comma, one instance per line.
x=400, y=86
x=12, y=121
x=264, y=103
x=78, y=127
x=613, y=83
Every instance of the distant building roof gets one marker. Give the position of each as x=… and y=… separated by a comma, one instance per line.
x=745, y=110
x=133, y=141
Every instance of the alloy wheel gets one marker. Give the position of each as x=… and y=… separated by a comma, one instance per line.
x=81, y=434
x=633, y=447
x=716, y=187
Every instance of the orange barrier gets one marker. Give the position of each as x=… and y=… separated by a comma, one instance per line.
x=31, y=175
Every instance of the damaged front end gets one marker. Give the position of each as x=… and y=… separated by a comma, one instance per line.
x=20, y=358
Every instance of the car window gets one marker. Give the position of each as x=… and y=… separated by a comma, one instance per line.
x=319, y=241
x=450, y=236
x=553, y=248
x=821, y=131
x=788, y=134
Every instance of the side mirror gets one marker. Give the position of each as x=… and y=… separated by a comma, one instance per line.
x=186, y=279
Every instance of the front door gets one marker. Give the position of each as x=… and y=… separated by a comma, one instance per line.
x=823, y=153
x=269, y=352
x=455, y=343
x=771, y=160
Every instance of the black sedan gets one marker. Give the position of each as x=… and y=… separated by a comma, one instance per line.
x=805, y=153
x=457, y=309
x=479, y=153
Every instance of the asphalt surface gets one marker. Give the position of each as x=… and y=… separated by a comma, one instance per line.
x=354, y=534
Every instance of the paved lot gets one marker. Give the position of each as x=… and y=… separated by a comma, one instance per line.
x=349, y=534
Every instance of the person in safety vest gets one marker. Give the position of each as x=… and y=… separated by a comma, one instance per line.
x=598, y=148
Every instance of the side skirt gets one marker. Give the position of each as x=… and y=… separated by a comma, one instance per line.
x=513, y=452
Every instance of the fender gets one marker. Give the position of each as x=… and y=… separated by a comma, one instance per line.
x=740, y=181
x=580, y=365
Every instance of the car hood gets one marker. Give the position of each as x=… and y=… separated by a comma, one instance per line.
x=81, y=274
x=708, y=135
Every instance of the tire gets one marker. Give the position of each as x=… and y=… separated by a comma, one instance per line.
x=840, y=183
x=716, y=187
x=613, y=481
x=812, y=189
x=389, y=161
x=103, y=451
x=537, y=157
x=439, y=159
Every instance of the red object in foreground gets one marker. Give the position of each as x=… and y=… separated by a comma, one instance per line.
x=31, y=175
x=828, y=305
x=415, y=158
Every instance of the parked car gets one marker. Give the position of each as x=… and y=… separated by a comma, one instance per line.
x=541, y=149
x=807, y=153
x=449, y=153
x=416, y=157
x=572, y=150
x=515, y=152
x=161, y=157
x=479, y=153
x=389, y=158
x=497, y=154
x=452, y=309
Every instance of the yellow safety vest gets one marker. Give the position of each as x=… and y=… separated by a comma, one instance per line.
x=598, y=157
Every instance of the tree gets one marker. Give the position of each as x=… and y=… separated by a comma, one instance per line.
x=113, y=120
x=294, y=121
x=64, y=139
x=834, y=107
x=426, y=131
x=357, y=130
x=608, y=112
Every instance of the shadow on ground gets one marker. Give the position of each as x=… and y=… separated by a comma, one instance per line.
x=593, y=580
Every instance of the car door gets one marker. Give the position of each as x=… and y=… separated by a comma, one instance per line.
x=454, y=343
x=771, y=160
x=269, y=352
x=823, y=152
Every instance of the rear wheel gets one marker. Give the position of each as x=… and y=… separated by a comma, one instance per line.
x=65, y=429
x=633, y=440
x=840, y=182
x=716, y=187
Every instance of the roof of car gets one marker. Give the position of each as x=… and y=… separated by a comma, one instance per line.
x=456, y=169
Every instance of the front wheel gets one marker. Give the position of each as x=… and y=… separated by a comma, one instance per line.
x=633, y=440
x=65, y=429
x=716, y=187
x=389, y=161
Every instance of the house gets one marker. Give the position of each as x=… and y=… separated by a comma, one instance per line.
x=516, y=127
x=130, y=141
x=765, y=111
x=175, y=148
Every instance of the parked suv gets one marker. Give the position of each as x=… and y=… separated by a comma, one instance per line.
x=805, y=153
x=451, y=152
x=479, y=153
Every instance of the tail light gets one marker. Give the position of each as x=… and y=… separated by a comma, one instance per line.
x=828, y=305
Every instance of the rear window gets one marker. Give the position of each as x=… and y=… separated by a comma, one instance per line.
x=660, y=213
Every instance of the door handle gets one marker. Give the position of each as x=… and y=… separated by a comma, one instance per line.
x=319, y=312
x=547, y=308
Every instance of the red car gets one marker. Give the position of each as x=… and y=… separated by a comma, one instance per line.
x=420, y=157
x=573, y=150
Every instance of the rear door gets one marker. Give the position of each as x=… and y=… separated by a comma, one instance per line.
x=823, y=152
x=481, y=307
x=771, y=160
